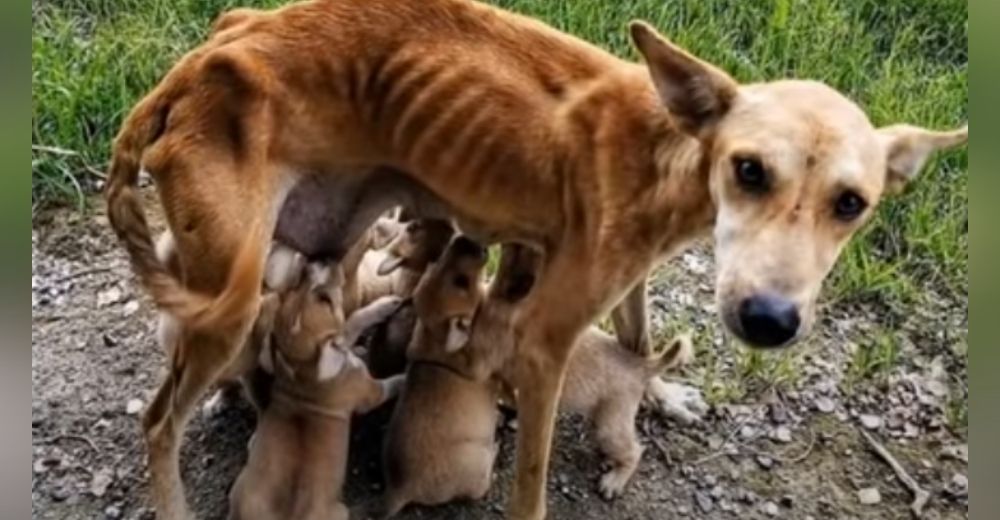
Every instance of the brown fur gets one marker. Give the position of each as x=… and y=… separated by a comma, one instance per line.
x=524, y=134
x=298, y=455
x=442, y=404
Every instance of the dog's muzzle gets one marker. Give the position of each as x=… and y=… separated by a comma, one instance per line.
x=768, y=320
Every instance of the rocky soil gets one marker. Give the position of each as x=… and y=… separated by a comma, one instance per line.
x=783, y=437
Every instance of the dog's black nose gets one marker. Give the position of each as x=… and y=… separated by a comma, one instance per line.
x=768, y=320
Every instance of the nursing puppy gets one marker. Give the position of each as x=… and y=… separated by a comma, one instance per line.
x=298, y=454
x=443, y=403
x=396, y=270
x=605, y=382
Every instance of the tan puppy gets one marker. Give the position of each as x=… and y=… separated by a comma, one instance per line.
x=440, y=445
x=396, y=269
x=604, y=381
x=298, y=455
x=523, y=134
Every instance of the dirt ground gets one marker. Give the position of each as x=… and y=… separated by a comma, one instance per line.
x=785, y=444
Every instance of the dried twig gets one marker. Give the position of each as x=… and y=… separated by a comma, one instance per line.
x=84, y=272
x=920, y=495
x=68, y=437
x=790, y=460
x=657, y=443
x=722, y=447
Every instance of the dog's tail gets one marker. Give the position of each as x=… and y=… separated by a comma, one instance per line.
x=679, y=352
x=144, y=125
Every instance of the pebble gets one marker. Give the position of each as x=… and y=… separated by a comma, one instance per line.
x=869, y=496
x=133, y=407
x=781, y=434
x=959, y=485
x=787, y=501
x=824, y=404
x=113, y=512
x=60, y=493
x=704, y=502
x=765, y=462
x=770, y=508
x=871, y=422
x=130, y=308
x=717, y=492
x=101, y=482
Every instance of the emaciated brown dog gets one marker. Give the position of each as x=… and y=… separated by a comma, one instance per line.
x=521, y=133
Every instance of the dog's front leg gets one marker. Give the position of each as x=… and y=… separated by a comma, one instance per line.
x=632, y=321
x=366, y=317
x=539, y=370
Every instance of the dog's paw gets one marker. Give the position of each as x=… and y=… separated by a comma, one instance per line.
x=385, y=306
x=612, y=483
x=682, y=403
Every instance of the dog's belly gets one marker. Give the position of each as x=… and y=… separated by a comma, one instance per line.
x=324, y=214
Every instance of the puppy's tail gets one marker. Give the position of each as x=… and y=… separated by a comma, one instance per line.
x=679, y=352
x=143, y=127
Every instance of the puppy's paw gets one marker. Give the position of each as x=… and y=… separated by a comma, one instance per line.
x=612, y=483
x=385, y=306
x=215, y=404
x=682, y=403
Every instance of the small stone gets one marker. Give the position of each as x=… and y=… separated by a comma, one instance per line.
x=109, y=297
x=711, y=480
x=871, y=422
x=959, y=452
x=112, y=512
x=770, y=508
x=765, y=462
x=787, y=501
x=134, y=406
x=747, y=431
x=704, y=502
x=717, y=492
x=101, y=481
x=130, y=308
x=869, y=496
x=60, y=493
x=781, y=434
x=779, y=414
x=512, y=425
x=683, y=510
x=824, y=404
x=959, y=485
x=109, y=340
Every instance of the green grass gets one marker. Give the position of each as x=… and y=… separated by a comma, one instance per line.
x=902, y=60
x=872, y=360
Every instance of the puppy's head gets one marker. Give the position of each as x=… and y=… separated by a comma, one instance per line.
x=303, y=342
x=795, y=170
x=450, y=291
x=421, y=242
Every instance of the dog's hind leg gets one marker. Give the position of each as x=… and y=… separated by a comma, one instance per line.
x=616, y=436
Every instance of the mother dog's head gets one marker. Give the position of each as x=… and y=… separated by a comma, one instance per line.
x=795, y=169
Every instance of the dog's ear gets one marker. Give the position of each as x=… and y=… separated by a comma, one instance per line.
x=696, y=93
x=383, y=232
x=389, y=264
x=331, y=362
x=458, y=334
x=908, y=148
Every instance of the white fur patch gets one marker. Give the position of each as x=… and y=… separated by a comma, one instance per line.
x=331, y=363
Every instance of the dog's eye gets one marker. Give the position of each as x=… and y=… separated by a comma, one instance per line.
x=751, y=175
x=461, y=281
x=849, y=205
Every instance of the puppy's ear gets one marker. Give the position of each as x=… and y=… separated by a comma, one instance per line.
x=389, y=264
x=908, y=148
x=331, y=363
x=696, y=93
x=458, y=334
